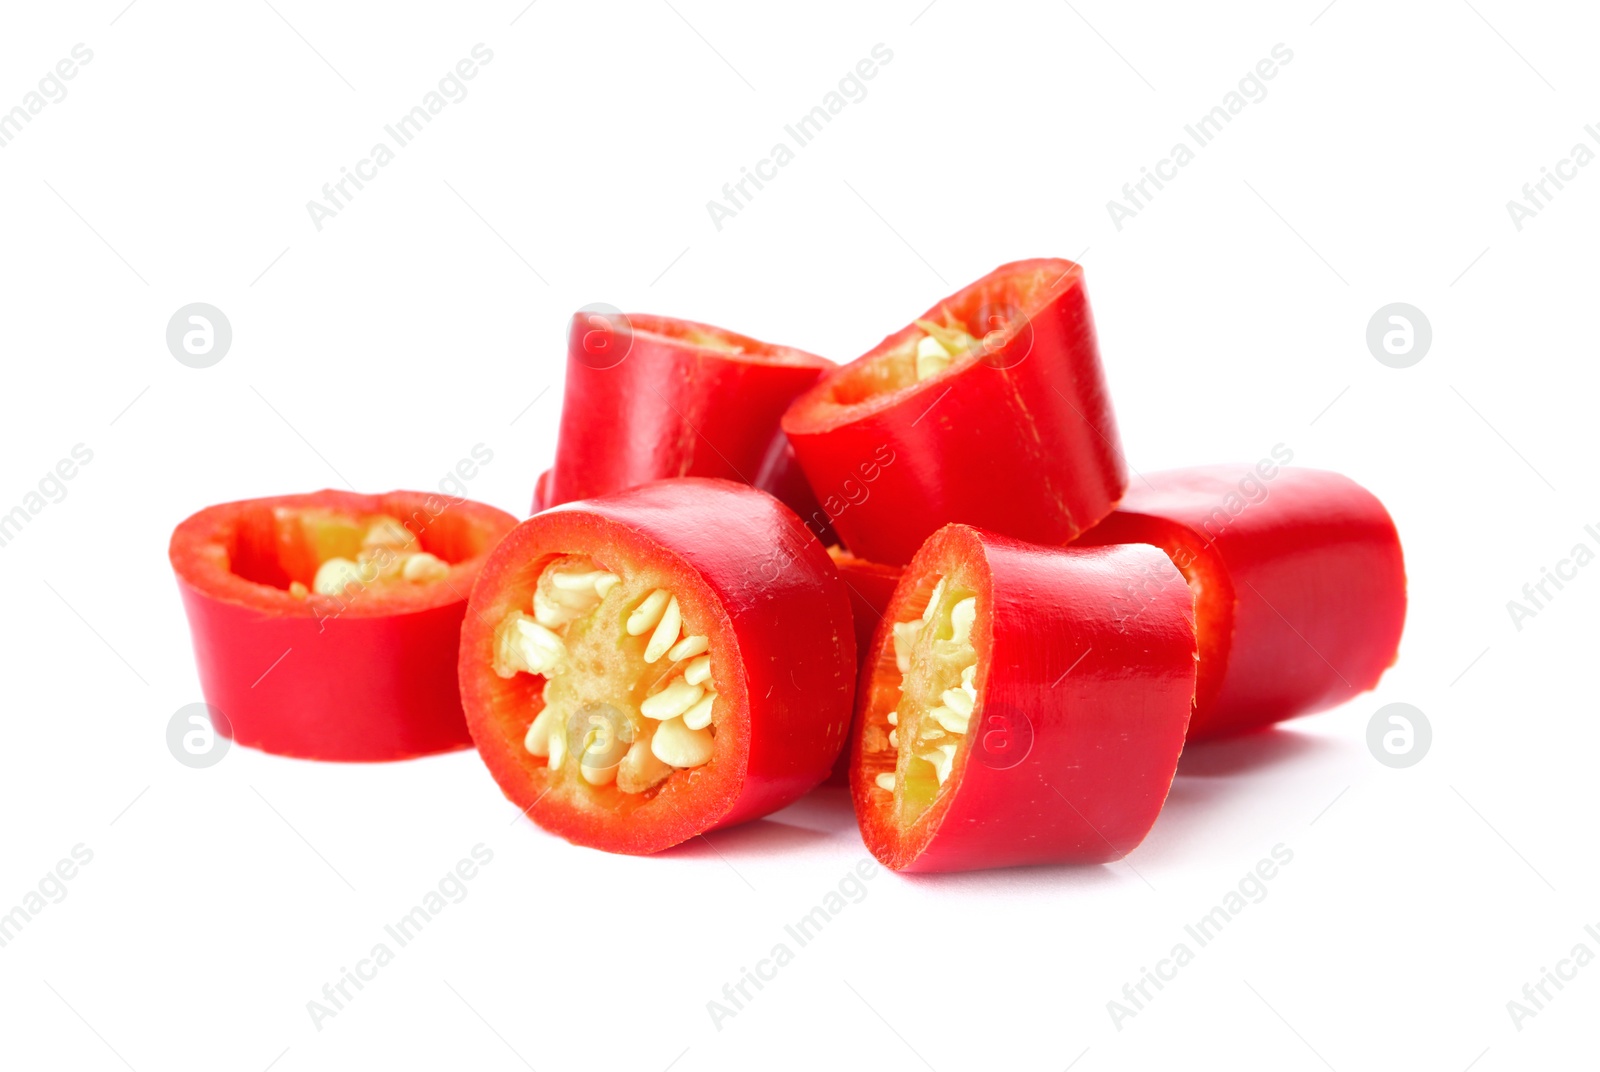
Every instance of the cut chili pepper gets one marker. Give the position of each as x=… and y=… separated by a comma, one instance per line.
x=1299, y=579
x=326, y=625
x=1004, y=718
x=989, y=410
x=871, y=585
x=649, y=397
x=645, y=666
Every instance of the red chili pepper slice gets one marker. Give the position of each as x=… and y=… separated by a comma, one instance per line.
x=1008, y=716
x=1011, y=429
x=645, y=666
x=363, y=676
x=1299, y=578
x=649, y=397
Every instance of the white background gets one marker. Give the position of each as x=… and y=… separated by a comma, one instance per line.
x=429, y=316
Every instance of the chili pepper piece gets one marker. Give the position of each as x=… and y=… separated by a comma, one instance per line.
x=1013, y=432
x=1300, y=594
x=746, y=576
x=651, y=397
x=365, y=676
x=1030, y=726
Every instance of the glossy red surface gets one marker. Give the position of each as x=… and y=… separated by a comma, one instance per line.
x=1300, y=582
x=363, y=677
x=1081, y=709
x=760, y=586
x=1017, y=437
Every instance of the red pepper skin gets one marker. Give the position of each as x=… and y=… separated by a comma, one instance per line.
x=1080, y=717
x=1017, y=437
x=783, y=479
x=648, y=398
x=541, y=492
x=762, y=588
x=362, y=678
x=1301, y=585
x=871, y=586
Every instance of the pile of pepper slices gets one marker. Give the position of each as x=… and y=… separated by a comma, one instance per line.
x=750, y=571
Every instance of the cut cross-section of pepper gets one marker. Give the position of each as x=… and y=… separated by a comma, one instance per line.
x=990, y=410
x=326, y=625
x=1299, y=582
x=651, y=397
x=1006, y=718
x=643, y=667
